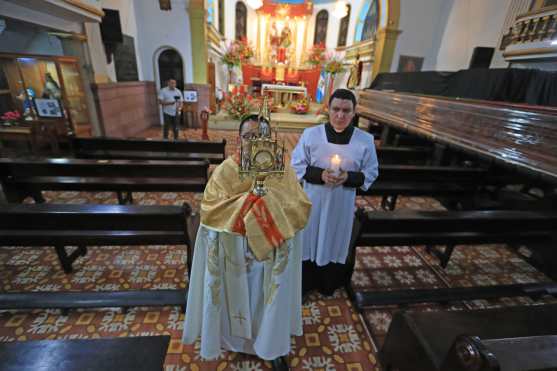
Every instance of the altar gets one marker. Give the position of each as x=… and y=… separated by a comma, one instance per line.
x=280, y=91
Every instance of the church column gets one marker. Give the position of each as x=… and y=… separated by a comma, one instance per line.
x=386, y=38
x=198, y=32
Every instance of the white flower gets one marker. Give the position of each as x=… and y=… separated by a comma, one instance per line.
x=107, y=287
x=382, y=278
x=360, y=278
x=246, y=366
x=392, y=261
x=343, y=338
x=24, y=257
x=143, y=273
x=174, y=320
x=114, y=321
x=32, y=275
x=404, y=277
x=379, y=320
x=48, y=321
x=371, y=261
x=127, y=257
x=425, y=276
x=88, y=274
x=311, y=314
x=318, y=363
x=412, y=260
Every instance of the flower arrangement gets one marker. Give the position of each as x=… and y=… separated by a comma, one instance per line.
x=237, y=52
x=237, y=104
x=231, y=56
x=333, y=64
x=244, y=50
x=300, y=106
x=11, y=117
x=316, y=55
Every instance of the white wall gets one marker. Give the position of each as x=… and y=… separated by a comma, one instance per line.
x=157, y=30
x=470, y=23
x=421, y=22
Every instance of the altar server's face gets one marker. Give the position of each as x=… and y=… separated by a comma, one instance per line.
x=341, y=113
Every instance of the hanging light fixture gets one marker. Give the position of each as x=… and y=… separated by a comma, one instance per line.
x=255, y=4
x=341, y=9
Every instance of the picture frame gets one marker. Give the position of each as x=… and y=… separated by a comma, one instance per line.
x=408, y=63
x=48, y=108
x=190, y=96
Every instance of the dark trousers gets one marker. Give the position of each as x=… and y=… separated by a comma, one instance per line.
x=325, y=279
x=170, y=122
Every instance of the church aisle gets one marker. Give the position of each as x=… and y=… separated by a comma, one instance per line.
x=334, y=337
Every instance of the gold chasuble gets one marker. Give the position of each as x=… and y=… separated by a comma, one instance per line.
x=229, y=206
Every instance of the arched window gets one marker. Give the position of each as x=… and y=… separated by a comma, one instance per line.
x=370, y=21
x=221, y=17
x=241, y=20
x=321, y=24
x=343, y=31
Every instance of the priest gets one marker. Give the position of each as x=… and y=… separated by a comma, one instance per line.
x=332, y=160
x=245, y=285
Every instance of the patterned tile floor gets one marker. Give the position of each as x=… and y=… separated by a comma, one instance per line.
x=335, y=337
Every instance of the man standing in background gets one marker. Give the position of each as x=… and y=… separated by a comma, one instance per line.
x=171, y=100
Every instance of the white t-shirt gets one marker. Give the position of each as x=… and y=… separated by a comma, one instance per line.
x=167, y=95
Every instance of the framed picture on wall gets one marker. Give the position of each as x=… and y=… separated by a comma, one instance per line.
x=408, y=63
x=190, y=96
x=48, y=108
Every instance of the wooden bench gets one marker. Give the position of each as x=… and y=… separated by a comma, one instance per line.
x=388, y=155
x=144, y=149
x=94, y=225
x=451, y=228
x=423, y=341
x=530, y=353
x=61, y=225
x=143, y=353
x=22, y=177
x=430, y=181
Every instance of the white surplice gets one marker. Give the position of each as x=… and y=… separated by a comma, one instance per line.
x=240, y=304
x=327, y=235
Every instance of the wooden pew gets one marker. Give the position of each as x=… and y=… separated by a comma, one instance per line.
x=390, y=155
x=21, y=177
x=430, y=181
x=144, y=149
x=451, y=228
x=529, y=353
x=62, y=225
x=143, y=353
x=422, y=341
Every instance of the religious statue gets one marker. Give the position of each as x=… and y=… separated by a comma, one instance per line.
x=285, y=42
x=274, y=41
x=355, y=74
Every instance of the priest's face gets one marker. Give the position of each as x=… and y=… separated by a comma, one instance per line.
x=250, y=129
x=341, y=113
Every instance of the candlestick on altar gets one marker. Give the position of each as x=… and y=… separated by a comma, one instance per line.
x=335, y=164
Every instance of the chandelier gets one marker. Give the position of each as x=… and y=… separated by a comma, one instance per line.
x=341, y=9
x=255, y=4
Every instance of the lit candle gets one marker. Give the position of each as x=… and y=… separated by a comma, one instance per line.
x=335, y=163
